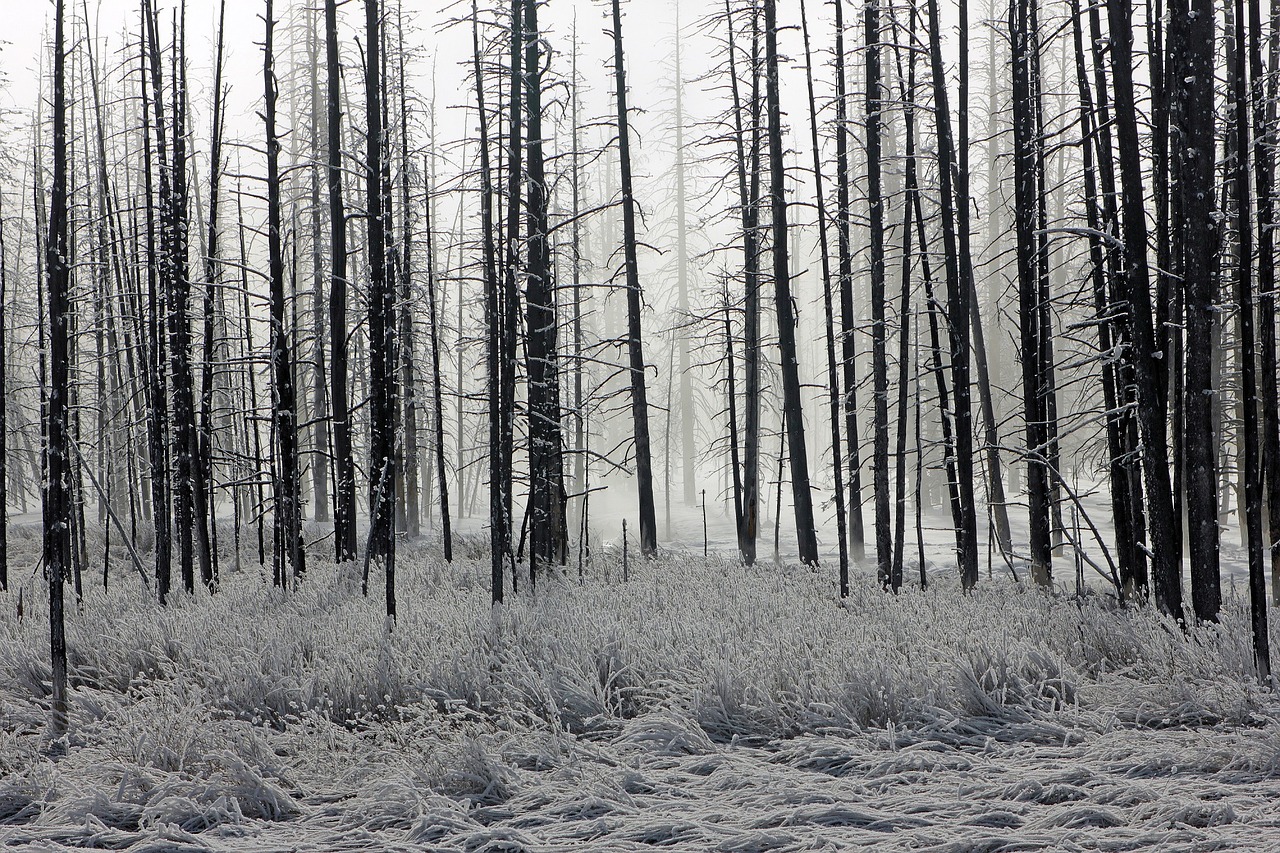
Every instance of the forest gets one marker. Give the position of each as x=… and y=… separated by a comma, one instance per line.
x=737, y=425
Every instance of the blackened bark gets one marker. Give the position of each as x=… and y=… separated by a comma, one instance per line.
x=833, y=380
x=802, y=499
x=1035, y=415
x=344, y=499
x=879, y=336
x=499, y=455
x=958, y=308
x=287, y=507
x=57, y=486
x=1166, y=561
x=635, y=347
x=848, y=331
x=1255, y=538
x=747, y=162
x=1192, y=147
x=382, y=313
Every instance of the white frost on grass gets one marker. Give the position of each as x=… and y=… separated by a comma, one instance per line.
x=702, y=706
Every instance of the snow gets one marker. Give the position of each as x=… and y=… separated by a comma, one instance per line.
x=700, y=706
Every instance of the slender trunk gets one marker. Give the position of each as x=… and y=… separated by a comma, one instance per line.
x=1029, y=292
x=437, y=388
x=209, y=570
x=1263, y=94
x=958, y=308
x=1121, y=505
x=833, y=382
x=747, y=162
x=344, y=503
x=287, y=504
x=792, y=405
x=499, y=479
x=879, y=335
x=1193, y=148
x=1134, y=284
x=382, y=312
x=848, y=331
x=635, y=347
x=1248, y=368
x=57, y=494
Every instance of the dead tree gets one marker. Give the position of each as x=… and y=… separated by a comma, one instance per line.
x=289, y=557
x=57, y=486
x=1192, y=147
x=1253, y=471
x=958, y=308
x=382, y=313
x=844, y=274
x=879, y=355
x=635, y=346
x=1134, y=287
x=833, y=380
x=1026, y=205
x=344, y=499
x=792, y=405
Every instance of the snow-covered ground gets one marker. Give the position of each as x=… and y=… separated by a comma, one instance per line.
x=700, y=706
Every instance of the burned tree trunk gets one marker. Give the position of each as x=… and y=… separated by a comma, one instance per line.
x=382, y=313
x=833, y=381
x=1134, y=283
x=958, y=308
x=791, y=403
x=635, y=347
x=290, y=554
x=57, y=486
x=1193, y=147
x=344, y=499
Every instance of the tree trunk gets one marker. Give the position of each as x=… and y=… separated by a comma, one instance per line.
x=635, y=347
x=344, y=499
x=879, y=336
x=1030, y=316
x=848, y=331
x=57, y=486
x=382, y=313
x=1193, y=145
x=287, y=507
x=958, y=308
x=833, y=381
x=499, y=470
x=1255, y=538
x=1166, y=560
x=792, y=405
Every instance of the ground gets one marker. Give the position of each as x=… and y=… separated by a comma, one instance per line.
x=701, y=705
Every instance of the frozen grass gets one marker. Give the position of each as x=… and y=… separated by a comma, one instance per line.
x=587, y=714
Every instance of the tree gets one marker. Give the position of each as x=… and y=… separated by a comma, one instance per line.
x=1192, y=145
x=495, y=338
x=548, y=525
x=635, y=347
x=747, y=168
x=833, y=381
x=290, y=555
x=344, y=506
x=1248, y=361
x=382, y=313
x=879, y=355
x=57, y=486
x=1134, y=287
x=844, y=265
x=1026, y=211
x=958, y=308
x=793, y=411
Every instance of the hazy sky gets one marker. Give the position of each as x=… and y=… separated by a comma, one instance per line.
x=649, y=29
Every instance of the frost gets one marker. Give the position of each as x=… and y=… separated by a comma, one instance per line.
x=701, y=706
